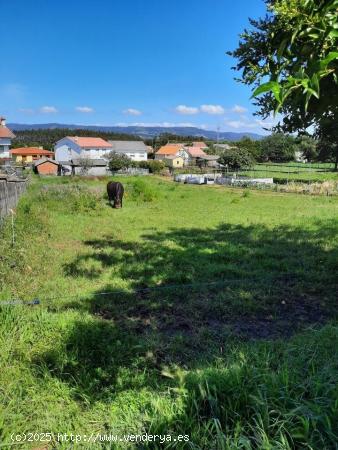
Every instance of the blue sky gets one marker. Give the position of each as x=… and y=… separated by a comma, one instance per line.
x=124, y=62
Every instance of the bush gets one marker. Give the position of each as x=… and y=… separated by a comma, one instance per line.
x=153, y=165
x=118, y=161
x=237, y=158
x=143, y=191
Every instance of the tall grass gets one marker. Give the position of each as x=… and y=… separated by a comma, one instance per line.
x=191, y=361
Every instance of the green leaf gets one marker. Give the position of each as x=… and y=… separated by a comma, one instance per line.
x=326, y=61
x=281, y=49
x=333, y=34
x=266, y=87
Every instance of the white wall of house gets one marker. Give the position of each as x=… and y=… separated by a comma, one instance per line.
x=135, y=156
x=66, y=149
x=5, y=144
x=185, y=156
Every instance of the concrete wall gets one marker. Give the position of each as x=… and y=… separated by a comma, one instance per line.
x=92, y=171
x=10, y=192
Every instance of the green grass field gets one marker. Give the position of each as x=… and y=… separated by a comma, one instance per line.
x=315, y=172
x=218, y=319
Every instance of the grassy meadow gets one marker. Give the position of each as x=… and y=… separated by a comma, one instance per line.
x=291, y=171
x=196, y=310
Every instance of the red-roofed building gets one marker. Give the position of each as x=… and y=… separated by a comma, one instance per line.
x=6, y=136
x=73, y=147
x=200, y=144
x=196, y=152
x=29, y=154
x=170, y=150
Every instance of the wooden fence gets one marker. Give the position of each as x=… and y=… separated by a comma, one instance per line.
x=11, y=189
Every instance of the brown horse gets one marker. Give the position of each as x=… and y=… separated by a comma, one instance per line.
x=115, y=191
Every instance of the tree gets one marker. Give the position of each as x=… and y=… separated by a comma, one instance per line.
x=327, y=151
x=118, y=161
x=253, y=147
x=236, y=158
x=278, y=147
x=291, y=60
x=307, y=146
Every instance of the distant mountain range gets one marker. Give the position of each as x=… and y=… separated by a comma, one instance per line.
x=143, y=132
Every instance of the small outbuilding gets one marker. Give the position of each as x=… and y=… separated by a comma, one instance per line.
x=173, y=161
x=46, y=166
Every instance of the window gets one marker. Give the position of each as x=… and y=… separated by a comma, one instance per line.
x=131, y=155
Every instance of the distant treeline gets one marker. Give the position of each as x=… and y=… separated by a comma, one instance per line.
x=46, y=138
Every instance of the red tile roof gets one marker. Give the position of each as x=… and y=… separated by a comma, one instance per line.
x=90, y=142
x=25, y=151
x=169, y=149
x=199, y=144
x=6, y=132
x=195, y=152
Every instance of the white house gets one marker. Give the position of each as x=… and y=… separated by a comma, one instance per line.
x=6, y=137
x=73, y=147
x=135, y=150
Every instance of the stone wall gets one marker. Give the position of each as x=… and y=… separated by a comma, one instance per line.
x=11, y=189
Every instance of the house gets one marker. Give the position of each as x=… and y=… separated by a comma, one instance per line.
x=6, y=136
x=200, y=144
x=73, y=147
x=135, y=150
x=29, y=154
x=173, y=161
x=46, y=166
x=208, y=161
x=223, y=147
x=299, y=157
x=173, y=150
x=194, y=153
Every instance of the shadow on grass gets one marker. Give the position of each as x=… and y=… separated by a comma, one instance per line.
x=191, y=293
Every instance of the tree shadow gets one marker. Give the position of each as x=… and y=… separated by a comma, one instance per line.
x=189, y=294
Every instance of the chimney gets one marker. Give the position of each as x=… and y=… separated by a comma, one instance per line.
x=2, y=121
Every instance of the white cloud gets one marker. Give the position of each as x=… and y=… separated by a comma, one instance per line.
x=48, y=110
x=212, y=109
x=132, y=112
x=84, y=109
x=241, y=124
x=188, y=110
x=239, y=109
x=158, y=124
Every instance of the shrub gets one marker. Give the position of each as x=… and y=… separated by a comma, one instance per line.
x=119, y=161
x=143, y=191
x=153, y=165
x=237, y=158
